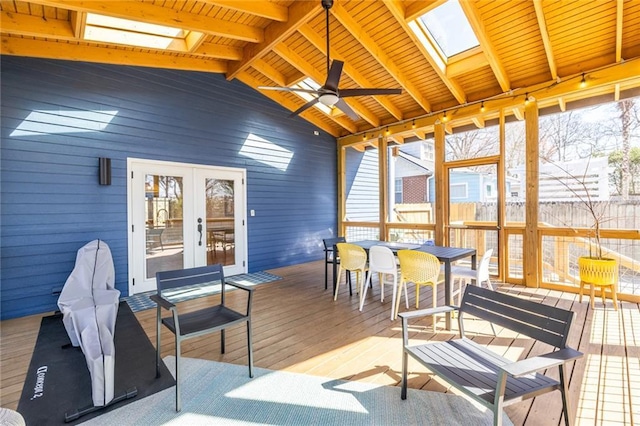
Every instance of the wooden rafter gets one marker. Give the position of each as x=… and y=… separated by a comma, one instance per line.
x=36, y=26
x=307, y=69
x=397, y=10
x=542, y=24
x=415, y=9
x=299, y=13
x=268, y=71
x=159, y=15
x=471, y=12
x=349, y=70
x=281, y=99
x=619, y=21
x=383, y=59
x=79, y=52
x=264, y=9
x=78, y=22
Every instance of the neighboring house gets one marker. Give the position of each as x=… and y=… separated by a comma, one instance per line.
x=568, y=181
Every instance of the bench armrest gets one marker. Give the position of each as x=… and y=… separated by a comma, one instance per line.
x=426, y=312
x=537, y=363
x=406, y=316
x=161, y=301
x=240, y=286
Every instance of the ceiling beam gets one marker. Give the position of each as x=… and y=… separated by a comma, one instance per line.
x=78, y=22
x=219, y=51
x=269, y=71
x=310, y=71
x=599, y=79
x=86, y=53
x=415, y=9
x=146, y=12
x=348, y=69
x=300, y=12
x=383, y=59
x=282, y=99
x=264, y=9
x=36, y=26
x=473, y=15
x=542, y=25
x=619, y=21
x=397, y=10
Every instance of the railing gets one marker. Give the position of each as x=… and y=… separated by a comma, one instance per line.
x=560, y=248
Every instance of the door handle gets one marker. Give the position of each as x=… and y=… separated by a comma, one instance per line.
x=200, y=230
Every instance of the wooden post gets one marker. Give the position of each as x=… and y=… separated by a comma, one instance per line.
x=531, y=242
x=383, y=177
x=441, y=185
x=342, y=189
x=501, y=255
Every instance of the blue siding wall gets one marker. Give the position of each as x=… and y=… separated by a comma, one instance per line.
x=52, y=204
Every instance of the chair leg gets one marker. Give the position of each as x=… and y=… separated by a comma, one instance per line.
x=222, y=341
x=381, y=279
x=178, y=403
x=434, y=299
x=393, y=297
x=250, y=349
x=581, y=291
x=592, y=295
x=335, y=295
x=364, y=292
x=614, y=296
x=490, y=285
x=158, y=343
x=417, y=296
x=564, y=390
x=326, y=272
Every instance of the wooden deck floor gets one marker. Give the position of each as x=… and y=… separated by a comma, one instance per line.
x=298, y=327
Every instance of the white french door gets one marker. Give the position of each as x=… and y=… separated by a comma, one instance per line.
x=183, y=216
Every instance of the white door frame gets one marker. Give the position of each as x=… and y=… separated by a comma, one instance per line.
x=189, y=172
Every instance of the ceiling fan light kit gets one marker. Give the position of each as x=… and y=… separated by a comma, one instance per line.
x=329, y=94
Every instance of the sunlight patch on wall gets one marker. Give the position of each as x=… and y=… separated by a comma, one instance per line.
x=54, y=122
x=266, y=152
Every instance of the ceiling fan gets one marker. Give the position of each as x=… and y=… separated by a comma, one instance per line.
x=329, y=94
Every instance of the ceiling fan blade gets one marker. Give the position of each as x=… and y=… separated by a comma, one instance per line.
x=289, y=89
x=333, y=78
x=344, y=107
x=345, y=93
x=304, y=107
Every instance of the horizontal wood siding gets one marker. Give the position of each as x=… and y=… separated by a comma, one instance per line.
x=52, y=203
x=362, y=186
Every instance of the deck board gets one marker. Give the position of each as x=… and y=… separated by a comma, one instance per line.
x=298, y=327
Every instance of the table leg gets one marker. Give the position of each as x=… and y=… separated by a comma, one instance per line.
x=335, y=269
x=447, y=292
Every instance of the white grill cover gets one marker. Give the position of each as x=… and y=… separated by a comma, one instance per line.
x=89, y=304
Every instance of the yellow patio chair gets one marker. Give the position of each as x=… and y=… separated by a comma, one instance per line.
x=420, y=269
x=353, y=258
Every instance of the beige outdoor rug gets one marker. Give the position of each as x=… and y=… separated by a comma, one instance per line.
x=216, y=393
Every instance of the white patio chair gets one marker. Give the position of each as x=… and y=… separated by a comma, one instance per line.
x=383, y=261
x=480, y=274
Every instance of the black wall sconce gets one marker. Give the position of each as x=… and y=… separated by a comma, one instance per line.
x=104, y=171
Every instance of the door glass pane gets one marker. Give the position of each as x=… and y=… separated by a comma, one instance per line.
x=164, y=217
x=220, y=222
x=473, y=195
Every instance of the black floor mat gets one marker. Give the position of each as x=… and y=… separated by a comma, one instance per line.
x=58, y=379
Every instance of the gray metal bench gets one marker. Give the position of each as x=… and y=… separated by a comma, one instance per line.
x=488, y=378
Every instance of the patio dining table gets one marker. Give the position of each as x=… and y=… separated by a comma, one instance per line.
x=446, y=255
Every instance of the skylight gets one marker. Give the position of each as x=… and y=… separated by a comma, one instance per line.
x=309, y=84
x=449, y=28
x=134, y=33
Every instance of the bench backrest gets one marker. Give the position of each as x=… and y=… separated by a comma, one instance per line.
x=545, y=323
x=212, y=274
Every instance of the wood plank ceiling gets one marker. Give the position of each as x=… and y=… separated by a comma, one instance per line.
x=525, y=47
